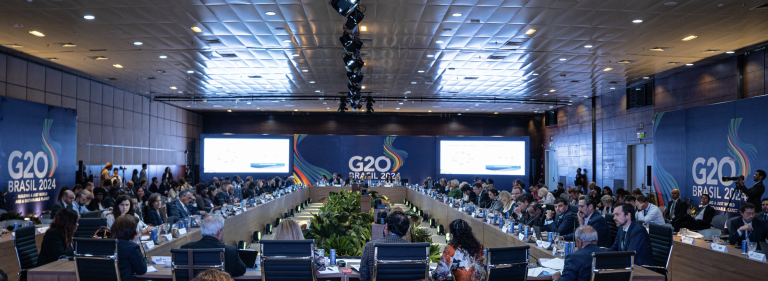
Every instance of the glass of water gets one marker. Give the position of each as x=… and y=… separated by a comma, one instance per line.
x=715, y=239
x=752, y=246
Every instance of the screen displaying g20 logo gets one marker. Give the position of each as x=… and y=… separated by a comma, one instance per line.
x=369, y=165
x=29, y=172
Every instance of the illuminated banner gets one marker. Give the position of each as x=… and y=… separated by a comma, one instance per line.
x=695, y=148
x=38, y=150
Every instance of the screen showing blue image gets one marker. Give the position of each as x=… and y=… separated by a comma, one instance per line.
x=482, y=157
x=236, y=155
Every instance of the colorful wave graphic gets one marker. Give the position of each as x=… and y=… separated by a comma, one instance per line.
x=740, y=152
x=397, y=155
x=50, y=147
x=304, y=172
x=662, y=180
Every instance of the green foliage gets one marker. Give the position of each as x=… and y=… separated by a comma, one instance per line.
x=421, y=235
x=434, y=253
x=340, y=225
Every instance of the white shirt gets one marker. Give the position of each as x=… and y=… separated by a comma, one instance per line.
x=745, y=223
x=650, y=214
x=700, y=215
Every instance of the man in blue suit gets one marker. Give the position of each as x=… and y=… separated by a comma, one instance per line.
x=565, y=220
x=588, y=216
x=578, y=265
x=746, y=227
x=179, y=207
x=632, y=235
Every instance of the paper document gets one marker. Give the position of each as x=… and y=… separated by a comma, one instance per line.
x=151, y=269
x=356, y=267
x=330, y=269
x=554, y=264
x=351, y=260
x=533, y=272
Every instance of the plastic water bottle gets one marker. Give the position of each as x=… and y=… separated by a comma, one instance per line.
x=744, y=244
x=333, y=256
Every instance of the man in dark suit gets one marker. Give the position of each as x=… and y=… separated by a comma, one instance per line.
x=745, y=226
x=165, y=187
x=109, y=199
x=482, y=200
x=179, y=207
x=469, y=196
x=396, y=227
x=701, y=217
x=676, y=207
x=578, y=265
x=753, y=194
x=153, y=187
x=64, y=203
x=763, y=217
x=535, y=216
x=212, y=230
x=631, y=236
x=588, y=216
x=565, y=220
x=581, y=180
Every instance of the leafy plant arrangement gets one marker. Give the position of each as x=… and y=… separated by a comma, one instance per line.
x=421, y=235
x=383, y=198
x=340, y=225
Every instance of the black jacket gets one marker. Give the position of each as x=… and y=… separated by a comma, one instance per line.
x=754, y=194
x=153, y=218
x=221, y=198
x=164, y=187
x=709, y=214
x=482, y=200
x=757, y=233
x=153, y=188
x=130, y=261
x=637, y=240
x=564, y=224
x=58, y=206
x=108, y=202
x=53, y=247
x=600, y=225
x=232, y=263
x=168, y=176
x=680, y=209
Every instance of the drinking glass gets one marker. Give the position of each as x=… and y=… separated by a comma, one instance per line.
x=555, y=236
x=166, y=228
x=715, y=239
x=752, y=246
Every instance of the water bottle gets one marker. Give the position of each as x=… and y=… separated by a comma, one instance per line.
x=333, y=256
x=501, y=222
x=744, y=244
x=15, y=226
x=549, y=237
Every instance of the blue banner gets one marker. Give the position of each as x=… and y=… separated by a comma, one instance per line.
x=695, y=148
x=38, y=147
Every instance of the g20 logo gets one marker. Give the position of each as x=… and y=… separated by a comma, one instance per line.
x=714, y=167
x=20, y=170
x=360, y=164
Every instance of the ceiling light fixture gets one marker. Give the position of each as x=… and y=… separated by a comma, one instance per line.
x=229, y=110
x=363, y=28
x=688, y=64
x=659, y=49
x=587, y=46
x=173, y=87
x=270, y=13
x=535, y=74
x=421, y=71
x=729, y=52
x=689, y=38
x=311, y=82
x=530, y=31
x=317, y=91
x=430, y=56
x=37, y=33
x=89, y=17
x=304, y=70
x=190, y=71
x=562, y=59
x=400, y=103
x=397, y=108
x=163, y=57
x=607, y=69
x=552, y=91
x=637, y=21
x=457, y=14
x=196, y=29
x=439, y=41
x=137, y=43
x=414, y=82
x=118, y=65
x=646, y=78
x=613, y=88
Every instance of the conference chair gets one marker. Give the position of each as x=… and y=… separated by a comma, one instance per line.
x=96, y=259
x=188, y=263
x=661, y=246
x=574, y=208
x=87, y=227
x=3, y=211
x=718, y=222
x=288, y=260
x=9, y=223
x=612, y=226
x=507, y=263
x=612, y=266
x=709, y=232
x=91, y=215
x=26, y=250
x=400, y=261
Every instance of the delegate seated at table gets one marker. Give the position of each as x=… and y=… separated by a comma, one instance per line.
x=212, y=229
x=58, y=238
x=746, y=226
x=578, y=265
x=130, y=260
x=564, y=222
x=632, y=236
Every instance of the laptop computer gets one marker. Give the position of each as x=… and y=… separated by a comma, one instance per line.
x=248, y=257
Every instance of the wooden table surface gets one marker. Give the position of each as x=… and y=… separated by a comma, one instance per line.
x=491, y=236
x=236, y=228
x=698, y=262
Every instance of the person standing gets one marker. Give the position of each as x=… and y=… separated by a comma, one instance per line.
x=143, y=173
x=578, y=265
x=167, y=175
x=631, y=236
x=462, y=258
x=104, y=176
x=581, y=181
x=753, y=194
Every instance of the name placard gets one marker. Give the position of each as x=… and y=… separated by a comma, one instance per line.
x=687, y=240
x=719, y=248
x=148, y=245
x=543, y=244
x=521, y=236
x=168, y=237
x=756, y=256
x=160, y=259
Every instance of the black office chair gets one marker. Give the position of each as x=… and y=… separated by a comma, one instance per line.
x=612, y=226
x=718, y=222
x=661, y=246
x=508, y=263
x=201, y=260
x=87, y=227
x=400, y=261
x=91, y=215
x=26, y=250
x=96, y=259
x=613, y=266
x=574, y=208
x=288, y=260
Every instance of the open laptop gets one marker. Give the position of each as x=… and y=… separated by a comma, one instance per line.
x=248, y=257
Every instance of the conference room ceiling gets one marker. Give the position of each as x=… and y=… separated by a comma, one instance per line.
x=423, y=49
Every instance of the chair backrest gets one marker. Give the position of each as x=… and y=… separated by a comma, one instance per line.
x=661, y=243
x=43, y=216
x=612, y=226
x=87, y=227
x=288, y=260
x=26, y=249
x=718, y=222
x=170, y=219
x=96, y=259
x=11, y=222
x=709, y=232
x=3, y=211
x=612, y=266
x=202, y=260
x=574, y=208
x=91, y=215
x=507, y=263
x=400, y=261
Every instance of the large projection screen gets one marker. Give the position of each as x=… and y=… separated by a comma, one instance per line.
x=465, y=157
x=246, y=155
